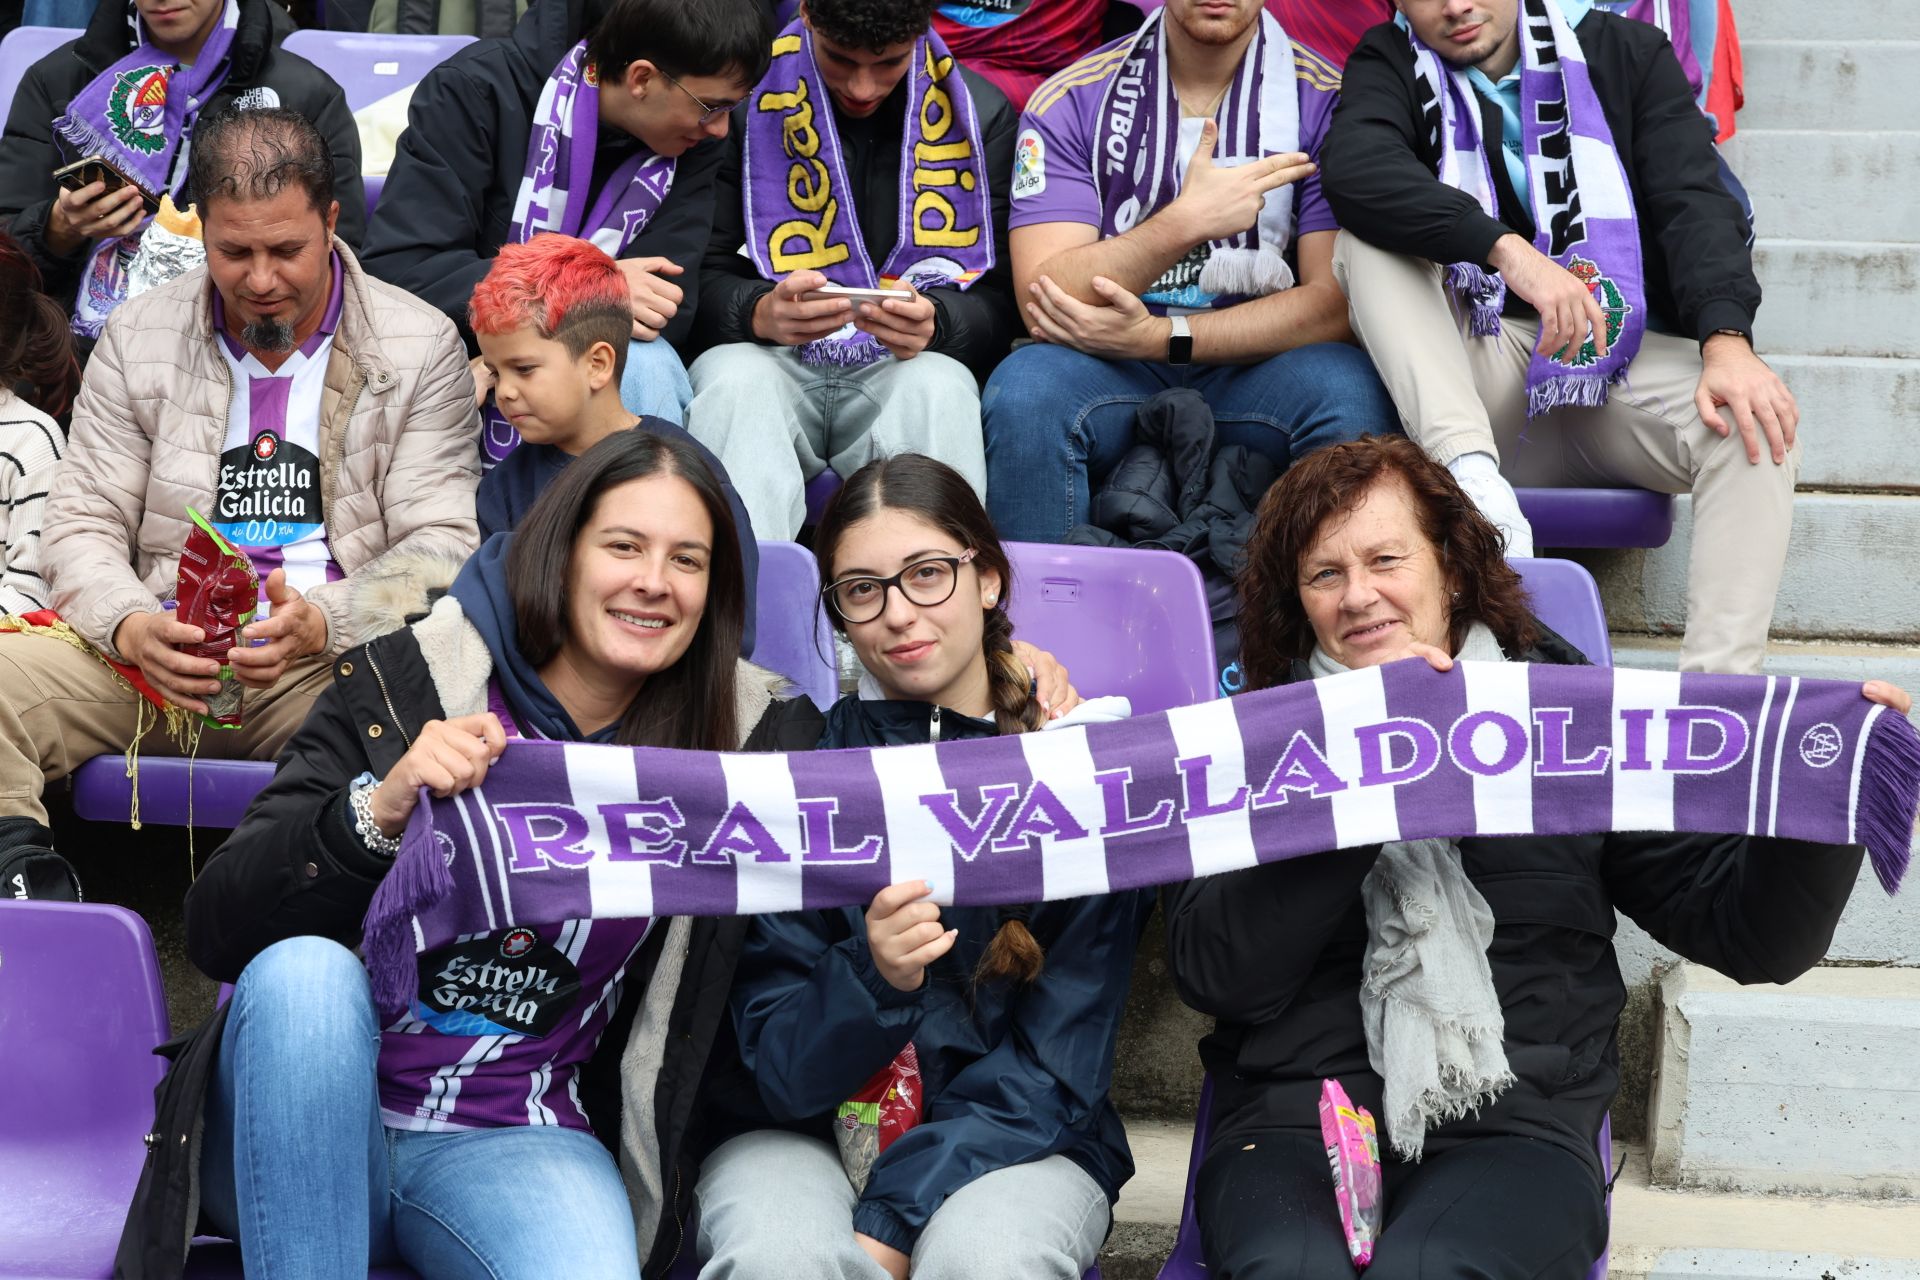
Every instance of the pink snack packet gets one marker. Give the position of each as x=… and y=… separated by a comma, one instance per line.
x=1353, y=1151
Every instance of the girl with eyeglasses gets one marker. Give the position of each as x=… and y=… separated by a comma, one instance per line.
x=996, y=1024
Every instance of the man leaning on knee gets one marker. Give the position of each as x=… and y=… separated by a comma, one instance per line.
x=1556, y=286
x=321, y=421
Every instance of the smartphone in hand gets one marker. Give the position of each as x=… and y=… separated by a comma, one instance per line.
x=853, y=294
x=91, y=169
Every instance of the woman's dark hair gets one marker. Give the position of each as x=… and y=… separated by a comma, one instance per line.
x=936, y=493
x=683, y=38
x=873, y=25
x=36, y=347
x=1330, y=483
x=256, y=153
x=691, y=704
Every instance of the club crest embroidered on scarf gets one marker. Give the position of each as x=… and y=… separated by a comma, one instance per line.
x=1613, y=304
x=137, y=108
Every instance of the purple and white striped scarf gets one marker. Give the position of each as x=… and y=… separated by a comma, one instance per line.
x=563, y=830
x=556, y=182
x=138, y=115
x=1136, y=154
x=799, y=201
x=1582, y=206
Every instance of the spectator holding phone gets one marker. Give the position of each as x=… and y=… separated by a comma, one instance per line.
x=867, y=158
x=125, y=95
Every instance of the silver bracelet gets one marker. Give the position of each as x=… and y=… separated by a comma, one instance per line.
x=360, y=796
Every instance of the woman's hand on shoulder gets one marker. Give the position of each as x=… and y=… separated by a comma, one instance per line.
x=447, y=757
x=1052, y=690
x=905, y=935
x=1887, y=694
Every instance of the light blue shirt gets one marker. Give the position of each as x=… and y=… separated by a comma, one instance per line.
x=1506, y=96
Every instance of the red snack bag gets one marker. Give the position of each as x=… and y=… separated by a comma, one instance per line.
x=885, y=1107
x=219, y=592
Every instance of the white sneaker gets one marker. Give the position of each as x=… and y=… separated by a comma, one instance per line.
x=1479, y=474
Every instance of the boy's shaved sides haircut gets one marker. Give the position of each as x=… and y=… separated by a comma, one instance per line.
x=569, y=290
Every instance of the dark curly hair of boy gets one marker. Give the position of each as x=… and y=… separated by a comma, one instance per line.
x=873, y=25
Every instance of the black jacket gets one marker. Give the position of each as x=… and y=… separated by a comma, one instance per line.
x=448, y=202
x=1379, y=162
x=29, y=154
x=1274, y=953
x=1009, y=1075
x=1174, y=490
x=976, y=327
x=295, y=867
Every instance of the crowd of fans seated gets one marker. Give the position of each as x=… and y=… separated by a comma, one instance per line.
x=1315, y=282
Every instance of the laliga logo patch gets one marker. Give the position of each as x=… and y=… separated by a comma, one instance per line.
x=1612, y=302
x=1821, y=745
x=1029, y=165
x=137, y=108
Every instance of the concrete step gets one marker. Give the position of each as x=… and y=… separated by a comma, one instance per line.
x=1658, y=1233
x=1864, y=83
x=1859, y=419
x=1806, y=1087
x=1849, y=574
x=1839, y=298
x=1795, y=20
x=1810, y=185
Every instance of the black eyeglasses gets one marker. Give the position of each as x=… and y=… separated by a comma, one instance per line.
x=707, y=114
x=927, y=583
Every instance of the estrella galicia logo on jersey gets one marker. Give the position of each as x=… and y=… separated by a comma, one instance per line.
x=269, y=492
x=1613, y=304
x=504, y=983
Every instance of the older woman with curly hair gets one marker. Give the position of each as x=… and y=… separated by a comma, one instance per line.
x=1464, y=991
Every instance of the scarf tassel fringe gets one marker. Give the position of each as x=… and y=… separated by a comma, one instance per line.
x=1252, y=273
x=1485, y=293
x=419, y=879
x=1889, y=795
x=854, y=353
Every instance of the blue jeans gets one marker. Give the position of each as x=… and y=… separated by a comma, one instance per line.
x=296, y=1165
x=1057, y=421
x=655, y=382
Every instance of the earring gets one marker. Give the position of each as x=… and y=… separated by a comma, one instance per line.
x=992, y=601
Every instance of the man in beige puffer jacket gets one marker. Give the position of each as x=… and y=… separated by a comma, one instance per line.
x=278, y=380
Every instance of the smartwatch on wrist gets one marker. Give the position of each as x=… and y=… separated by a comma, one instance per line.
x=1179, y=341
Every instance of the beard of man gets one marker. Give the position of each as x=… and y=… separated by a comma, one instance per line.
x=267, y=335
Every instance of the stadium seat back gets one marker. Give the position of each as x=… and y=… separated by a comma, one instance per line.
x=790, y=630
x=369, y=66
x=1565, y=597
x=20, y=48
x=81, y=1010
x=1122, y=620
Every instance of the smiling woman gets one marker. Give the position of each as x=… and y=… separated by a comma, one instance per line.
x=613, y=615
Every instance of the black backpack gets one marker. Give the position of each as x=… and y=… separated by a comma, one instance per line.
x=27, y=872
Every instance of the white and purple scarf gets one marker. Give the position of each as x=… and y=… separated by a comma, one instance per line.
x=799, y=200
x=562, y=831
x=1136, y=153
x=1582, y=205
x=138, y=115
x=556, y=183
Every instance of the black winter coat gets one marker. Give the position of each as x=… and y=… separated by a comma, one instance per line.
x=1274, y=953
x=1173, y=491
x=1379, y=162
x=1010, y=1075
x=295, y=867
x=448, y=201
x=976, y=326
x=29, y=154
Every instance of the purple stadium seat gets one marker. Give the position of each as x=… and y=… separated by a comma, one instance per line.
x=24, y=46
x=370, y=65
x=1188, y=1262
x=1122, y=620
x=819, y=489
x=81, y=1010
x=791, y=637
x=791, y=632
x=1566, y=599
x=1597, y=517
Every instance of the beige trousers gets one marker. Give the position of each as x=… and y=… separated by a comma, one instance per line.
x=60, y=707
x=1459, y=394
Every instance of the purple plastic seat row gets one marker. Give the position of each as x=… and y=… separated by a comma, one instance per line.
x=1597, y=517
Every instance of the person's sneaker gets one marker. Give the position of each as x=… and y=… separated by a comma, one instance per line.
x=29, y=868
x=1479, y=475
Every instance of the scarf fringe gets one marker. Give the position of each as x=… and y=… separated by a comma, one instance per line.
x=1485, y=293
x=1567, y=391
x=1252, y=273
x=856, y=352
x=419, y=879
x=1890, y=792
